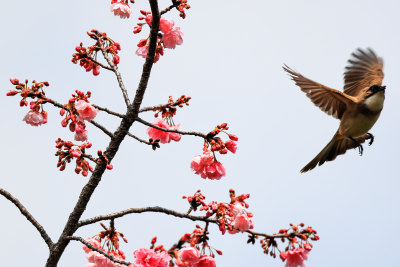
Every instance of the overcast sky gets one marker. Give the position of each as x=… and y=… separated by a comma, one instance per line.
x=230, y=64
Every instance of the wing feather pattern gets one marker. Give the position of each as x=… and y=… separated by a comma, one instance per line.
x=331, y=101
x=364, y=69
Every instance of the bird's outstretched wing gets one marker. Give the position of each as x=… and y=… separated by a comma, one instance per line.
x=331, y=101
x=364, y=69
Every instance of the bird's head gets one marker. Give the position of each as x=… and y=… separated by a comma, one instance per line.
x=375, y=89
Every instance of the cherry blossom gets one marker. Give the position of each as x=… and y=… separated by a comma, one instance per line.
x=34, y=118
x=85, y=110
x=164, y=137
x=189, y=254
x=206, y=166
x=205, y=261
x=166, y=25
x=231, y=146
x=173, y=38
x=121, y=9
x=294, y=257
x=148, y=258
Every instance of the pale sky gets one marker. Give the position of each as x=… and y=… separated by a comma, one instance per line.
x=230, y=64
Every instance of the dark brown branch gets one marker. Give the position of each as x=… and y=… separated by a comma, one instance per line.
x=108, y=111
x=117, y=73
x=174, y=4
x=83, y=241
x=118, y=136
x=168, y=212
x=143, y=210
x=28, y=216
x=139, y=139
x=171, y=131
x=101, y=127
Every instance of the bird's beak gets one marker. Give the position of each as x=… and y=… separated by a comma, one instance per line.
x=383, y=88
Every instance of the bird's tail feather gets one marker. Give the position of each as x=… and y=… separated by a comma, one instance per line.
x=337, y=146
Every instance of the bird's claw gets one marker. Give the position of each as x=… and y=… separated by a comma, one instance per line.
x=360, y=149
x=371, y=138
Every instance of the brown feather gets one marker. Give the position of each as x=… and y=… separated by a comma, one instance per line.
x=331, y=101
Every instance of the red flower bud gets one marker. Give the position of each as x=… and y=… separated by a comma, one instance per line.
x=11, y=93
x=233, y=137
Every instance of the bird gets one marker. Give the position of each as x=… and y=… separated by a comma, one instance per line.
x=358, y=107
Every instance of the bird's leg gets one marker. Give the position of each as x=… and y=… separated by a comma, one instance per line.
x=360, y=147
x=371, y=138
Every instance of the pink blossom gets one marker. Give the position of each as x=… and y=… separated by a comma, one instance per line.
x=206, y=166
x=121, y=9
x=231, y=146
x=85, y=110
x=242, y=223
x=81, y=136
x=92, y=241
x=80, y=133
x=205, y=261
x=149, y=19
x=148, y=258
x=142, y=51
x=172, y=38
x=166, y=25
x=236, y=208
x=189, y=254
x=34, y=118
x=165, y=137
x=295, y=257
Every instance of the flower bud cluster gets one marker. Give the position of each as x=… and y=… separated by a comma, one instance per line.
x=68, y=151
x=76, y=112
x=87, y=56
x=111, y=241
x=206, y=165
x=169, y=110
x=36, y=116
x=181, y=7
x=168, y=37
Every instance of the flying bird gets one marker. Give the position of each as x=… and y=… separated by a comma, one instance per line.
x=358, y=107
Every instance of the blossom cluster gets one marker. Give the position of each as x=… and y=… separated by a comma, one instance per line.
x=86, y=56
x=36, y=116
x=76, y=111
x=169, y=37
x=68, y=151
x=164, y=137
x=206, y=165
x=169, y=110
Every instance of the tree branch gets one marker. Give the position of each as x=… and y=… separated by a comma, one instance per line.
x=101, y=64
x=139, y=139
x=171, y=131
x=108, y=111
x=117, y=73
x=83, y=241
x=118, y=136
x=143, y=210
x=101, y=127
x=28, y=216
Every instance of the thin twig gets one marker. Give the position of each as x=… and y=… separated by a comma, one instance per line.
x=142, y=210
x=171, y=131
x=139, y=139
x=101, y=127
x=88, y=156
x=117, y=73
x=28, y=216
x=83, y=241
x=109, y=111
x=174, y=4
x=101, y=64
